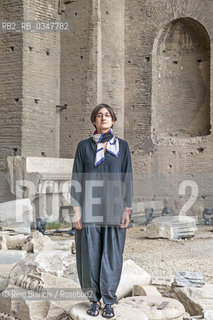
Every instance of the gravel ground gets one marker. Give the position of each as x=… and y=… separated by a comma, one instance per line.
x=162, y=257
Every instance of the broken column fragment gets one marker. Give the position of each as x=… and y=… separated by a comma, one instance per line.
x=171, y=227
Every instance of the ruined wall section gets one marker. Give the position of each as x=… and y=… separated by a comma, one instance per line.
x=92, y=68
x=160, y=166
x=10, y=90
x=78, y=74
x=112, y=58
x=181, y=80
x=41, y=81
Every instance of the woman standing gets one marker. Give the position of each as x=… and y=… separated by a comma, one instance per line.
x=101, y=195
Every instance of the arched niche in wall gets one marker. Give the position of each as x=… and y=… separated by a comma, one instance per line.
x=181, y=80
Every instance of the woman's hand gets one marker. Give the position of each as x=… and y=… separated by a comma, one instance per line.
x=77, y=218
x=125, y=218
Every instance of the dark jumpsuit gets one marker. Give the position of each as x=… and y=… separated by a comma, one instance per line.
x=102, y=192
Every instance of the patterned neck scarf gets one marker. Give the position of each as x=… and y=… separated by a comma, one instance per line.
x=112, y=145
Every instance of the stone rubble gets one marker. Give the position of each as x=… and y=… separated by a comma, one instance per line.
x=32, y=276
x=36, y=242
x=55, y=262
x=131, y=275
x=155, y=308
x=183, y=297
x=139, y=290
x=188, y=279
x=195, y=300
x=16, y=241
x=171, y=227
x=163, y=284
x=8, y=259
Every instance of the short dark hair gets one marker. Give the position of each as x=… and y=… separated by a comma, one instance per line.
x=101, y=106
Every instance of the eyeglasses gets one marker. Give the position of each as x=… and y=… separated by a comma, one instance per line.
x=100, y=115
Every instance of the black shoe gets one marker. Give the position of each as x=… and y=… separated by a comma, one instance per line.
x=94, y=309
x=108, y=311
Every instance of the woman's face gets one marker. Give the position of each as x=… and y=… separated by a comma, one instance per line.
x=103, y=121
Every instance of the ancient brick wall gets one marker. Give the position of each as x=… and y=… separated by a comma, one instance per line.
x=30, y=84
x=78, y=74
x=10, y=90
x=164, y=109
x=41, y=82
x=163, y=161
x=92, y=67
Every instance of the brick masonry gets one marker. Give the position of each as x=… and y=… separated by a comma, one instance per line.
x=41, y=82
x=115, y=53
x=160, y=165
x=11, y=74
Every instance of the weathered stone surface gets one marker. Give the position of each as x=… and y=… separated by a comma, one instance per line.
x=131, y=275
x=33, y=310
x=48, y=310
x=29, y=304
x=208, y=315
x=65, y=245
x=58, y=263
x=37, y=242
x=195, y=300
x=139, y=290
x=163, y=284
x=122, y=312
x=171, y=227
x=58, y=298
x=38, y=281
x=48, y=183
x=188, y=279
x=3, y=243
x=52, y=281
x=15, y=241
x=155, y=308
x=8, y=305
x=16, y=215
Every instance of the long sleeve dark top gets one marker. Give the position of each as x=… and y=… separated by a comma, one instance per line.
x=103, y=191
